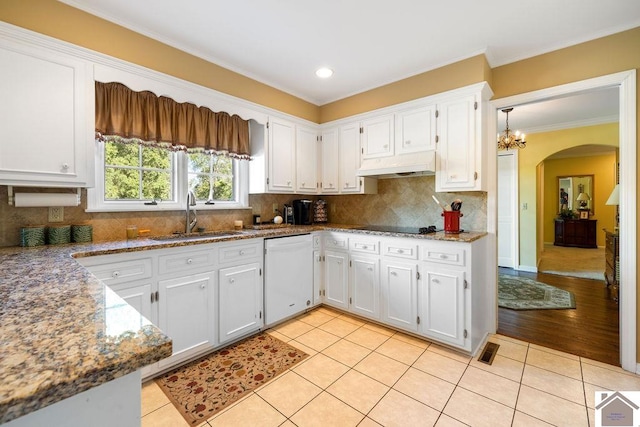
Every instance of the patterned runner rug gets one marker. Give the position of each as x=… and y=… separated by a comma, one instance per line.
x=522, y=293
x=207, y=385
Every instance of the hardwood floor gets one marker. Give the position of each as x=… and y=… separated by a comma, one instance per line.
x=591, y=330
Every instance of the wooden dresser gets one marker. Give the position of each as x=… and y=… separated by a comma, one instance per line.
x=611, y=272
x=579, y=233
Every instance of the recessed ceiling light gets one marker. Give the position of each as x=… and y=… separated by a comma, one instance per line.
x=324, y=72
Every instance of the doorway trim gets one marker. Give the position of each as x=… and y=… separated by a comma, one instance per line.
x=626, y=82
x=514, y=209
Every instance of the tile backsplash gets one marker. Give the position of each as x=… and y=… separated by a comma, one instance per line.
x=400, y=202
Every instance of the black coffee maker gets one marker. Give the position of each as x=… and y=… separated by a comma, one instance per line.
x=302, y=212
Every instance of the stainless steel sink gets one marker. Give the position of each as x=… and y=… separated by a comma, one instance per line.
x=197, y=236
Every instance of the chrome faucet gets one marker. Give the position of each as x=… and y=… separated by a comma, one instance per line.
x=189, y=224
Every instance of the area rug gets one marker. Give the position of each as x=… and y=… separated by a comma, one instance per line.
x=522, y=293
x=593, y=275
x=207, y=385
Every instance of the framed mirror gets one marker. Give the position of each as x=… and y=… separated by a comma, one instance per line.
x=576, y=193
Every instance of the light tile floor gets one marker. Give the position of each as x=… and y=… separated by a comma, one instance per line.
x=362, y=374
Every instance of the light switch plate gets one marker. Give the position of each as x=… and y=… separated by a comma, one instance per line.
x=56, y=214
x=275, y=208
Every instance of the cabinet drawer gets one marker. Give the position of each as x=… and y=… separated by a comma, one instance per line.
x=444, y=255
x=242, y=252
x=186, y=261
x=122, y=272
x=338, y=242
x=400, y=250
x=364, y=246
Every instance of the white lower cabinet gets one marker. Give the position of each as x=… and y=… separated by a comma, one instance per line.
x=364, y=286
x=187, y=314
x=442, y=305
x=336, y=279
x=400, y=294
x=240, y=301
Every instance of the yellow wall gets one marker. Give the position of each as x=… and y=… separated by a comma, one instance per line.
x=539, y=147
x=602, y=168
x=66, y=23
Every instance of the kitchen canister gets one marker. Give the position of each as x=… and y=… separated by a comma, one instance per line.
x=58, y=234
x=32, y=235
x=320, y=211
x=81, y=233
x=452, y=221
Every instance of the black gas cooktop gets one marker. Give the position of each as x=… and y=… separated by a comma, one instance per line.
x=395, y=229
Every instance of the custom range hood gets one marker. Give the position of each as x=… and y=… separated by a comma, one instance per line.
x=400, y=165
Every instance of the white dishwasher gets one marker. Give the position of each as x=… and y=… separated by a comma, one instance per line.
x=288, y=280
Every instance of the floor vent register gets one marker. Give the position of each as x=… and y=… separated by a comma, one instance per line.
x=488, y=353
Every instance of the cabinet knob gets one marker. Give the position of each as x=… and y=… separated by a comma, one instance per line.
x=115, y=274
x=365, y=247
x=400, y=251
x=203, y=286
x=346, y=185
x=394, y=273
x=370, y=268
x=408, y=142
x=443, y=256
x=331, y=184
x=242, y=252
x=288, y=183
x=385, y=146
x=189, y=261
x=339, y=261
x=303, y=184
x=232, y=280
x=65, y=166
x=435, y=280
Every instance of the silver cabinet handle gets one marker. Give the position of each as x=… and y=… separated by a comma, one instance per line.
x=365, y=247
x=203, y=286
x=400, y=251
x=435, y=280
x=288, y=183
x=242, y=252
x=65, y=166
x=232, y=280
x=335, y=242
x=115, y=274
x=339, y=261
x=370, y=268
x=408, y=142
x=443, y=256
x=189, y=261
x=394, y=273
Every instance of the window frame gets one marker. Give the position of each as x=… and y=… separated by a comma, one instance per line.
x=180, y=175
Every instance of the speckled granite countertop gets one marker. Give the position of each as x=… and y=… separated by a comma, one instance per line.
x=57, y=337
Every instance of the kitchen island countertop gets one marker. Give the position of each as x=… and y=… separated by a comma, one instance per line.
x=57, y=335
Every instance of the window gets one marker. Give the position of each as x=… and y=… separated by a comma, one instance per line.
x=135, y=172
x=211, y=177
x=133, y=177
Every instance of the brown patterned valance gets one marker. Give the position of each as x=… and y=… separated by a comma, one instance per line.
x=161, y=121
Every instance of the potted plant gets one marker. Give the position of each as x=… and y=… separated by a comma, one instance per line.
x=567, y=214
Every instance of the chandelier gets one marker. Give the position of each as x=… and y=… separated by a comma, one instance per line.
x=508, y=139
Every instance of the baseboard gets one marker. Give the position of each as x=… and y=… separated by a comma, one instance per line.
x=527, y=268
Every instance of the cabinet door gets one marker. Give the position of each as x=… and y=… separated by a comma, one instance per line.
x=330, y=159
x=441, y=305
x=456, y=166
x=318, y=274
x=240, y=301
x=46, y=117
x=336, y=279
x=187, y=314
x=282, y=151
x=138, y=296
x=399, y=294
x=365, y=286
x=377, y=137
x=349, y=145
x=416, y=130
x=306, y=160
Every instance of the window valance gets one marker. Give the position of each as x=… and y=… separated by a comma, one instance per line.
x=160, y=121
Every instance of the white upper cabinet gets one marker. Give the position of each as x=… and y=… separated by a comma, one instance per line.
x=46, y=117
x=415, y=130
x=377, y=137
x=460, y=158
x=282, y=156
x=349, y=159
x=330, y=161
x=306, y=160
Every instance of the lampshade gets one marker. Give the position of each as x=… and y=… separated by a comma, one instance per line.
x=583, y=197
x=614, y=198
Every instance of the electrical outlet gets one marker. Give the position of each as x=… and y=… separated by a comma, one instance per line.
x=275, y=208
x=56, y=214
